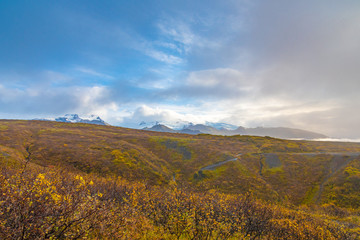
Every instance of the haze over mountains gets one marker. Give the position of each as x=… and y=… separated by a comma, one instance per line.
x=278, y=132
x=207, y=128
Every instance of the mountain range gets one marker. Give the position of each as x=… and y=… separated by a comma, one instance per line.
x=75, y=118
x=207, y=128
x=278, y=132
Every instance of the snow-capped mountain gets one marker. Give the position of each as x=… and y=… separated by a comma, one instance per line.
x=226, y=126
x=176, y=125
x=180, y=125
x=163, y=128
x=75, y=118
x=278, y=132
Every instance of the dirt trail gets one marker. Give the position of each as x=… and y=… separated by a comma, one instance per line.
x=215, y=165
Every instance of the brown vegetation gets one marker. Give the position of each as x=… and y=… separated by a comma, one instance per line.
x=67, y=181
x=57, y=204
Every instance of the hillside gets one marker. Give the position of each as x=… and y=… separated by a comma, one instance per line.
x=316, y=175
x=273, y=169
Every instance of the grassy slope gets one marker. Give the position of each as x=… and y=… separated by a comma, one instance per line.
x=156, y=157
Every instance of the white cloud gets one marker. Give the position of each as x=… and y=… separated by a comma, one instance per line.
x=89, y=96
x=220, y=77
x=162, y=57
x=212, y=84
x=179, y=33
x=252, y=66
x=168, y=114
x=93, y=72
x=33, y=100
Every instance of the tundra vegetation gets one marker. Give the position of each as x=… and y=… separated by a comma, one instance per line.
x=81, y=181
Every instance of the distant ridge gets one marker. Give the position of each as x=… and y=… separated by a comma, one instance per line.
x=160, y=128
x=277, y=132
x=282, y=132
x=75, y=118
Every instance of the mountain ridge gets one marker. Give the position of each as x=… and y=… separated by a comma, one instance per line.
x=277, y=132
x=75, y=118
x=207, y=128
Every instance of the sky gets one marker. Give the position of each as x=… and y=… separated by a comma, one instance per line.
x=244, y=62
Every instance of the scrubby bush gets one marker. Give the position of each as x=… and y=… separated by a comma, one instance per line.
x=62, y=205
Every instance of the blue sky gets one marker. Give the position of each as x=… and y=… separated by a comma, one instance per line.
x=249, y=63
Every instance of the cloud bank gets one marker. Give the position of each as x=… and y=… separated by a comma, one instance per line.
x=249, y=63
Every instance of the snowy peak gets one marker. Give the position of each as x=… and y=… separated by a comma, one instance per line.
x=180, y=125
x=144, y=124
x=230, y=130
x=221, y=126
x=176, y=125
x=69, y=118
x=163, y=128
x=75, y=118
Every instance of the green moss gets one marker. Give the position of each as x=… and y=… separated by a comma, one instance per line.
x=243, y=170
x=351, y=171
x=275, y=170
x=8, y=160
x=123, y=158
x=310, y=195
x=3, y=127
x=178, y=145
x=213, y=174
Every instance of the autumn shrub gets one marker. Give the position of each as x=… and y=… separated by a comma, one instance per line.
x=55, y=205
x=45, y=204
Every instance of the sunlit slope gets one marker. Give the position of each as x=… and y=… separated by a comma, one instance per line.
x=82, y=147
x=299, y=172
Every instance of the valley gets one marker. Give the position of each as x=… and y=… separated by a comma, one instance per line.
x=271, y=168
x=316, y=177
